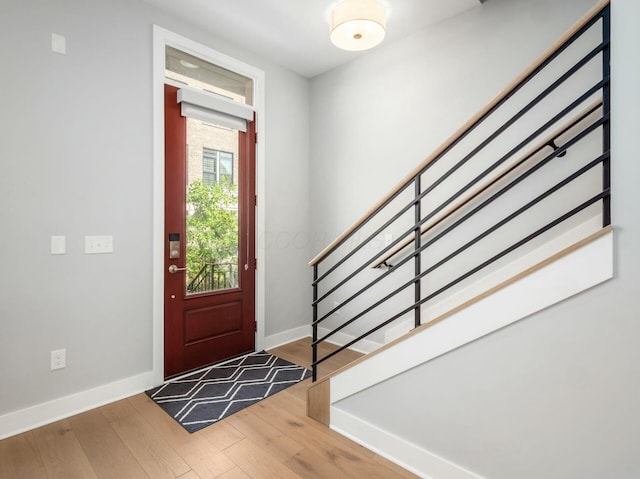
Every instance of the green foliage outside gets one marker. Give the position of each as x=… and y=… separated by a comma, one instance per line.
x=212, y=225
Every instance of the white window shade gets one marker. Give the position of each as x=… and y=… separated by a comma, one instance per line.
x=214, y=109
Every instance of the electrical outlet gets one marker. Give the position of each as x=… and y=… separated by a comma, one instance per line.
x=58, y=359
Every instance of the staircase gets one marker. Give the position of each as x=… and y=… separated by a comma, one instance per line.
x=509, y=215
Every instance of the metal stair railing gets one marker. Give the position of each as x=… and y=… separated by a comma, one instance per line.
x=512, y=189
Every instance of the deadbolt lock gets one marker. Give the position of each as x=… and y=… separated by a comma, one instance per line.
x=174, y=245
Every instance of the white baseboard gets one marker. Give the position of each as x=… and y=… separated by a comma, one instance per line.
x=364, y=346
x=405, y=454
x=32, y=417
x=286, y=337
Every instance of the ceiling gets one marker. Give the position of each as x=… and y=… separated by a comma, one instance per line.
x=295, y=33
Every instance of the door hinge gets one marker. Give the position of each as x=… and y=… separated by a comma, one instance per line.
x=255, y=137
x=255, y=200
x=255, y=263
x=255, y=326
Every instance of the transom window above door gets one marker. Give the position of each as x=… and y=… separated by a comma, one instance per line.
x=202, y=75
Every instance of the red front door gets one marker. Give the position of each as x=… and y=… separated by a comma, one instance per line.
x=209, y=241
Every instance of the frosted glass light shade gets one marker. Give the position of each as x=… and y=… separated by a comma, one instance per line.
x=357, y=24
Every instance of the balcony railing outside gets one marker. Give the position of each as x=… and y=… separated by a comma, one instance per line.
x=213, y=277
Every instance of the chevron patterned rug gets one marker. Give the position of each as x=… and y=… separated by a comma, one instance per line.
x=208, y=395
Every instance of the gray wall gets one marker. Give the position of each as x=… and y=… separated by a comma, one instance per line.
x=386, y=112
x=555, y=395
x=376, y=118
x=76, y=155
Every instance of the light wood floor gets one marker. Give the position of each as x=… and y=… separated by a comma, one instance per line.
x=134, y=438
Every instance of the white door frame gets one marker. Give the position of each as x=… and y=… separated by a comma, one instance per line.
x=162, y=38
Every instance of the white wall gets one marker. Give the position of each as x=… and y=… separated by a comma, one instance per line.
x=555, y=395
x=76, y=155
x=286, y=239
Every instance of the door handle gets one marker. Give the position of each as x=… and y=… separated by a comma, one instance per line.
x=174, y=269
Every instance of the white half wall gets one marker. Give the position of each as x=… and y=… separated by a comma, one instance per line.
x=485, y=282
x=578, y=271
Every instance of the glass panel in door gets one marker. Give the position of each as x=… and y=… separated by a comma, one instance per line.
x=212, y=208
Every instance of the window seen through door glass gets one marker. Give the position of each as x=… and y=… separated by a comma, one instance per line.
x=217, y=166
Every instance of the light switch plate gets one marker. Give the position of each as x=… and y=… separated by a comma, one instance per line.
x=58, y=44
x=58, y=245
x=98, y=244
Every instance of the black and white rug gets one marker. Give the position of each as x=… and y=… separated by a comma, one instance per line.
x=206, y=396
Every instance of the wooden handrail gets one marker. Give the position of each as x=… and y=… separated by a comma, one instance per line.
x=489, y=182
x=590, y=15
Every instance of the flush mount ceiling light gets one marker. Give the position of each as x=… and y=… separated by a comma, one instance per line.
x=357, y=24
x=187, y=64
